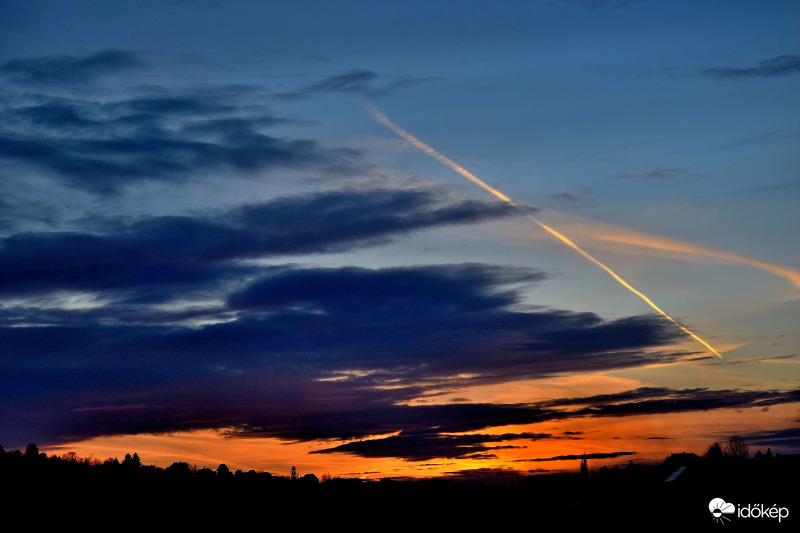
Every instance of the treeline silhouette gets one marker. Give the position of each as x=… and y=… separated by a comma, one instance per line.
x=113, y=490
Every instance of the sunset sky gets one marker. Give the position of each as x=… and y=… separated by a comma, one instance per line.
x=211, y=251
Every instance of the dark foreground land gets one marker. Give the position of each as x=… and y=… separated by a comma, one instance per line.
x=57, y=491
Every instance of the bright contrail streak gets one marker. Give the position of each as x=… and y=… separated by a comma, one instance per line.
x=383, y=119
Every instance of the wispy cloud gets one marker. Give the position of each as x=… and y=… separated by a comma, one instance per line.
x=784, y=438
x=661, y=174
x=782, y=65
x=575, y=457
x=169, y=254
x=601, y=234
x=72, y=69
x=103, y=146
x=566, y=197
x=365, y=83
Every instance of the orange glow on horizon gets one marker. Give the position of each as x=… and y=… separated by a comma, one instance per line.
x=651, y=438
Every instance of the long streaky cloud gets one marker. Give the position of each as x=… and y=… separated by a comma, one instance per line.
x=616, y=235
x=383, y=119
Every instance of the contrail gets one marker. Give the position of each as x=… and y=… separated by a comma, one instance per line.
x=383, y=119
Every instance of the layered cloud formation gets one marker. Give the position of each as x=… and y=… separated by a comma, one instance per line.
x=223, y=316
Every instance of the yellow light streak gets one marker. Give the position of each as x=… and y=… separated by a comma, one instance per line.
x=383, y=119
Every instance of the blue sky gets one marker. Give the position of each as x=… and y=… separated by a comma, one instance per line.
x=194, y=200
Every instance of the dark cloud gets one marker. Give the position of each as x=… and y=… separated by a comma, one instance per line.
x=565, y=197
x=173, y=253
x=661, y=174
x=315, y=323
x=580, y=196
x=426, y=446
x=71, y=69
x=329, y=411
x=166, y=136
x=734, y=362
x=641, y=393
x=625, y=333
x=366, y=413
x=688, y=400
x=364, y=83
x=244, y=375
x=484, y=475
x=782, y=439
x=777, y=66
x=470, y=333
x=608, y=455
x=258, y=405
x=304, y=354
x=343, y=292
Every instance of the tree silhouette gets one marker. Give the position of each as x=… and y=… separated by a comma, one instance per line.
x=32, y=451
x=715, y=452
x=132, y=461
x=737, y=448
x=223, y=472
x=70, y=457
x=293, y=474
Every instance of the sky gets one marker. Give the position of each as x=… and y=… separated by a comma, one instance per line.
x=246, y=232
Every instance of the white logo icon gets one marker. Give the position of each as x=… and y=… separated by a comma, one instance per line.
x=719, y=508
